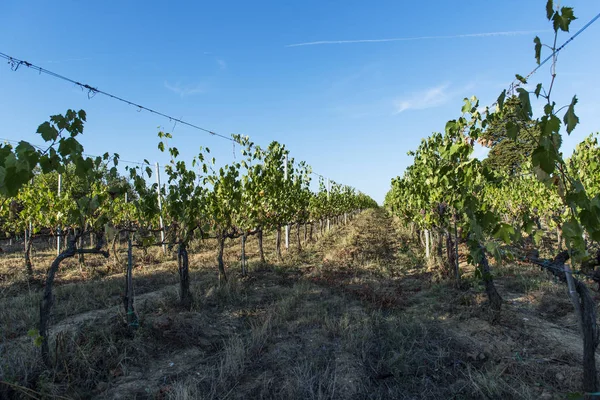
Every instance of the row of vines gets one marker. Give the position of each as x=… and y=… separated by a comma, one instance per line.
x=60, y=192
x=525, y=194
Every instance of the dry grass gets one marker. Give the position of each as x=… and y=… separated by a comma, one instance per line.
x=353, y=316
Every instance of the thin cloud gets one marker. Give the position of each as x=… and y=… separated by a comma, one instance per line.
x=68, y=60
x=408, y=39
x=185, y=90
x=222, y=63
x=429, y=98
x=433, y=97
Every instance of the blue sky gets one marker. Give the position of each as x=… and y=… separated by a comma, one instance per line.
x=351, y=110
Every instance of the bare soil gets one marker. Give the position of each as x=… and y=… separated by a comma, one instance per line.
x=354, y=315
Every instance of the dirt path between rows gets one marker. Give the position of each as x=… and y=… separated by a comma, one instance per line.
x=355, y=315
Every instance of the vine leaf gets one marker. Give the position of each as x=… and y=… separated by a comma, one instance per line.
x=572, y=230
x=549, y=9
x=501, y=99
x=538, y=90
x=512, y=130
x=504, y=232
x=521, y=79
x=47, y=131
x=467, y=106
x=570, y=119
x=538, y=49
x=563, y=19
x=35, y=335
x=543, y=157
x=525, y=102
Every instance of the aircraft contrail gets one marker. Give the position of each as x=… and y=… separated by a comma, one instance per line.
x=407, y=39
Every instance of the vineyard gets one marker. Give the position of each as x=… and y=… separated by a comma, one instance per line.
x=475, y=279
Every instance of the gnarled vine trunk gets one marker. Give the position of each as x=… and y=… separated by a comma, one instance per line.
x=451, y=261
x=456, y=258
x=585, y=308
x=222, y=274
x=48, y=301
x=243, y=256
x=298, y=236
x=114, y=248
x=589, y=330
x=28, y=245
x=261, y=251
x=438, y=244
x=81, y=257
x=185, y=296
x=278, y=243
x=48, y=297
x=132, y=319
x=490, y=289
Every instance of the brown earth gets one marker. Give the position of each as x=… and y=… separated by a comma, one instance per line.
x=355, y=315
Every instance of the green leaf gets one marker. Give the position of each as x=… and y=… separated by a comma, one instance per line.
x=544, y=157
x=35, y=335
x=467, y=106
x=501, y=99
x=549, y=9
x=570, y=119
x=161, y=146
x=528, y=226
x=2, y=180
x=538, y=49
x=540, y=174
x=571, y=228
x=550, y=125
x=512, y=130
x=488, y=219
x=454, y=149
x=27, y=152
x=69, y=146
x=47, y=131
x=450, y=127
x=504, y=232
x=573, y=232
x=563, y=19
x=538, y=90
x=521, y=79
x=525, y=102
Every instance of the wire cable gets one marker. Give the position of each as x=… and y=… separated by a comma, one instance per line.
x=517, y=83
x=85, y=154
x=15, y=63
